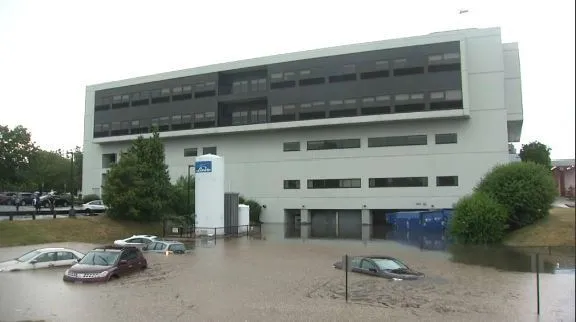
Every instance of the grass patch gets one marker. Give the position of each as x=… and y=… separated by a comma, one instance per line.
x=558, y=229
x=100, y=229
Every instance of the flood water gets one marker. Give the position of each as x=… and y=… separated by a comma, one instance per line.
x=292, y=279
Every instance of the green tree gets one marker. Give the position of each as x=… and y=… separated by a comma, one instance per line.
x=255, y=209
x=180, y=197
x=478, y=219
x=78, y=161
x=525, y=189
x=47, y=170
x=138, y=185
x=536, y=152
x=16, y=148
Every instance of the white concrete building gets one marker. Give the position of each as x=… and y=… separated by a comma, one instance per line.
x=408, y=152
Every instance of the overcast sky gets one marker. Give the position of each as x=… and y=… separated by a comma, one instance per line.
x=50, y=50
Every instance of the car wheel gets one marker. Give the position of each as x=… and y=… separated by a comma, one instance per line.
x=88, y=212
x=113, y=277
x=23, y=203
x=65, y=204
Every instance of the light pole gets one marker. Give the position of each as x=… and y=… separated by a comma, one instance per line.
x=72, y=212
x=188, y=191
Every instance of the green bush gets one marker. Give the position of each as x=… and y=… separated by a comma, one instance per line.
x=526, y=189
x=88, y=198
x=478, y=219
x=255, y=209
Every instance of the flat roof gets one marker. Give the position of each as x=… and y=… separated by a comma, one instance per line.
x=435, y=37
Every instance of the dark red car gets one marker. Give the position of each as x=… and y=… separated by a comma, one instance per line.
x=105, y=263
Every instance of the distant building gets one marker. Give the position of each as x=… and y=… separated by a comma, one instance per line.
x=564, y=174
x=335, y=136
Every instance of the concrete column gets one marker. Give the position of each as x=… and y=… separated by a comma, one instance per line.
x=304, y=217
x=366, y=217
x=366, y=234
x=305, y=232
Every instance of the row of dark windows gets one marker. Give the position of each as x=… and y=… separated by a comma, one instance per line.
x=193, y=152
x=403, y=103
x=375, y=142
x=289, y=79
x=393, y=182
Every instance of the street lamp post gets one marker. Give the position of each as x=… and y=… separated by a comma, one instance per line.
x=188, y=190
x=72, y=211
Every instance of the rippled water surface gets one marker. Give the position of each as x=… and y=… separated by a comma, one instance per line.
x=278, y=279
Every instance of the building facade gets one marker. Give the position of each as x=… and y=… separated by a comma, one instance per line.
x=337, y=135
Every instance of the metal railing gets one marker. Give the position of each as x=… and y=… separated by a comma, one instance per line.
x=194, y=232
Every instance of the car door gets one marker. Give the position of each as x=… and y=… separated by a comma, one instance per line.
x=128, y=261
x=65, y=258
x=136, y=242
x=160, y=247
x=44, y=260
x=368, y=267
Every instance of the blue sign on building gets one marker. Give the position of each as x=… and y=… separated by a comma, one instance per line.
x=203, y=166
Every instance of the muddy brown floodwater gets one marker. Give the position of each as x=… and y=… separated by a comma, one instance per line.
x=285, y=280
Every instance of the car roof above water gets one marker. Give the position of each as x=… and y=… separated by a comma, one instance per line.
x=53, y=249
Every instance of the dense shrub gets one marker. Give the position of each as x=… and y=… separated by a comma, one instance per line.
x=255, y=209
x=88, y=198
x=478, y=219
x=525, y=189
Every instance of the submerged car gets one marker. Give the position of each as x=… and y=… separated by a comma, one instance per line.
x=381, y=266
x=42, y=258
x=105, y=263
x=136, y=241
x=163, y=246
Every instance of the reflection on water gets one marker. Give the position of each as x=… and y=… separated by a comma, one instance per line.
x=552, y=259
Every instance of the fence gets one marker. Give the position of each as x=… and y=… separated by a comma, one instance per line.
x=42, y=212
x=175, y=230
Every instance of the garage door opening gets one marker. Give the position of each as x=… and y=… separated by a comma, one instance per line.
x=341, y=224
x=292, y=221
x=382, y=227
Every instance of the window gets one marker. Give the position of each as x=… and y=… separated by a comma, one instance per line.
x=447, y=181
x=283, y=84
x=108, y=159
x=46, y=257
x=135, y=127
x=398, y=182
x=120, y=101
x=311, y=81
x=102, y=104
x=140, y=98
x=258, y=116
x=376, y=105
x=291, y=184
x=391, y=141
x=446, y=138
x=206, y=89
x=164, y=123
x=209, y=150
x=342, y=78
x=381, y=69
x=239, y=117
x=191, y=152
x=291, y=146
x=446, y=100
x=63, y=256
x=368, y=265
x=444, y=62
x=333, y=144
x=204, y=119
x=181, y=93
x=409, y=103
x=101, y=130
x=401, y=68
x=281, y=113
x=333, y=183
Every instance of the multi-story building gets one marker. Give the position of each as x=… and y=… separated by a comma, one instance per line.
x=337, y=134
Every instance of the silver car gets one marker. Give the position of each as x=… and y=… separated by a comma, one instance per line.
x=165, y=246
x=42, y=258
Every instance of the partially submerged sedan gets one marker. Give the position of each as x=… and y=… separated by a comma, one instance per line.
x=381, y=266
x=166, y=247
x=105, y=263
x=42, y=258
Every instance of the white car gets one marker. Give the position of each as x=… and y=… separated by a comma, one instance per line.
x=136, y=241
x=42, y=258
x=94, y=206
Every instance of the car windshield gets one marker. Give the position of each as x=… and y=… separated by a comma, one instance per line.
x=388, y=264
x=28, y=256
x=100, y=258
x=177, y=247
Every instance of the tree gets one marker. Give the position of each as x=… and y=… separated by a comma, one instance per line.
x=78, y=161
x=47, y=170
x=138, y=185
x=536, y=152
x=16, y=148
x=478, y=219
x=255, y=209
x=525, y=189
x=180, y=197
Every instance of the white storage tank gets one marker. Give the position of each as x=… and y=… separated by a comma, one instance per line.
x=209, y=197
x=243, y=218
